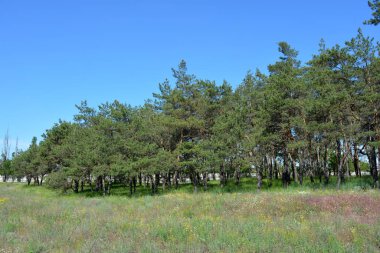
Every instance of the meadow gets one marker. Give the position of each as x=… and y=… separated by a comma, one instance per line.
x=233, y=219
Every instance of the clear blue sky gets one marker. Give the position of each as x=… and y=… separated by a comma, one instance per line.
x=53, y=54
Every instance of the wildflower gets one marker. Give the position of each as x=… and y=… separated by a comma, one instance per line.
x=3, y=200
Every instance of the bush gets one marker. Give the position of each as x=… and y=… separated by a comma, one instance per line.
x=58, y=180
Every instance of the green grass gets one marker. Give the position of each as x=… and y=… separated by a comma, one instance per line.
x=234, y=219
x=247, y=185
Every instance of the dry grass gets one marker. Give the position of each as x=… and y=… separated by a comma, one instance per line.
x=38, y=220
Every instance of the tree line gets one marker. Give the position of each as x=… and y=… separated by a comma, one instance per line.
x=297, y=120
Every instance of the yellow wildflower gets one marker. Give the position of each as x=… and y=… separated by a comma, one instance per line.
x=3, y=200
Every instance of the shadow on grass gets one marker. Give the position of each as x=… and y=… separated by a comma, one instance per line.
x=246, y=185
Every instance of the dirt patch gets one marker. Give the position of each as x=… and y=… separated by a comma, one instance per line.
x=361, y=208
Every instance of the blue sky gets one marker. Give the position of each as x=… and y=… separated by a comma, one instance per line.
x=53, y=54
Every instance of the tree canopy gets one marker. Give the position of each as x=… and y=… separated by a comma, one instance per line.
x=375, y=7
x=316, y=119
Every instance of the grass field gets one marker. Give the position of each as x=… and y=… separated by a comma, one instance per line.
x=297, y=219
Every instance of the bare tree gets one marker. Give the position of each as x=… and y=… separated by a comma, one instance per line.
x=5, y=155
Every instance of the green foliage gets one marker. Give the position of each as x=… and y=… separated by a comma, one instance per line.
x=6, y=168
x=57, y=180
x=375, y=7
x=301, y=120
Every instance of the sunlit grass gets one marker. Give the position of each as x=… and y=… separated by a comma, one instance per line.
x=34, y=219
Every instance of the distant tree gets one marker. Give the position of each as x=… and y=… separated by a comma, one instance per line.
x=5, y=163
x=366, y=93
x=283, y=108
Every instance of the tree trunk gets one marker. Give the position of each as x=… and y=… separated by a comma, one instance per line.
x=155, y=182
x=356, y=161
x=205, y=179
x=294, y=172
x=134, y=182
x=130, y=181
x=90, y=182
x=300, y=175
x=140, y=179
x=164, y=180
x=76, y=185
x=109, y=185
x=36, y=180
x=275, y=169
x=169, y=176
x=222, y=176
x=237, y=175
x=176, y=179
x=339, y=160
x=348, y=172
x=285, y=173
x=270, y=167
x=325, y=168
x=312, y=178
x=104, y=185
x=99, y=183
x=371, y=153
x=259, y=177
x=319, y=166
x=342, y=161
